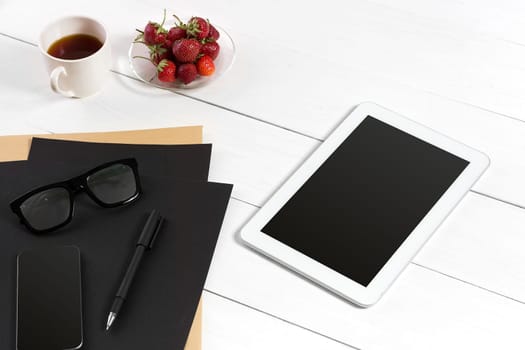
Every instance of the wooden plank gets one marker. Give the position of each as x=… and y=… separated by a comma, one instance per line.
x=422, y=310
x=357, y=35
x=482, y=243
x=495, y=19
x=228, y=325
x=360, y=36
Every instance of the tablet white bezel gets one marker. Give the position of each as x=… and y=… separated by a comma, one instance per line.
x=252, y=235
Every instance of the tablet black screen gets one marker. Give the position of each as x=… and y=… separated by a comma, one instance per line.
x=365, y=199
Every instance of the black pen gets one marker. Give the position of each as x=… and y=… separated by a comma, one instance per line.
x=145, y=242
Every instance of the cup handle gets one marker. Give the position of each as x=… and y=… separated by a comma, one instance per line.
x=55, y=77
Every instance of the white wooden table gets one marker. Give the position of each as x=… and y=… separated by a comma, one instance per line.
x=456, y=66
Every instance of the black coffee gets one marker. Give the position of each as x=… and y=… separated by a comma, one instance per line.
x=73, y=47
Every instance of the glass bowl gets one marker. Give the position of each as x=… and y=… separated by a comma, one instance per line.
x=147, y=71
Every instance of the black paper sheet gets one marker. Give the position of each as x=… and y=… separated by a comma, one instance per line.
x=163, y=299
x=183, y=161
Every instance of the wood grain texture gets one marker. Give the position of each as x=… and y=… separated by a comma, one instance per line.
x=481, y=242
x=231, y=326
x=457, y=67
x=426, y=53
x=422, y=310
x=497, y=20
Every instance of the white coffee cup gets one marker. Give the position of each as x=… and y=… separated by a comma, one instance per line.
x=76, y=77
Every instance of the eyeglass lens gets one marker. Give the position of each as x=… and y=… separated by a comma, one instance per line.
x=113, y=184
x=52, y=207
x=48, y=208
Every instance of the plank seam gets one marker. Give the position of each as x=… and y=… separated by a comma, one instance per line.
x=281, y=319
x=225, y=108
x=17, y=39
x=467, y=282
x=443, y=273
x=497, y=199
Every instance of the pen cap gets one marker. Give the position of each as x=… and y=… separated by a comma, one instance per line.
x=156, y=233
x=151, y=229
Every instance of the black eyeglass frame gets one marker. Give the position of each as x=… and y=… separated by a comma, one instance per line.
x=75, y=186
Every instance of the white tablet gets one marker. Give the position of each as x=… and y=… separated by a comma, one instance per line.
x=363, y=204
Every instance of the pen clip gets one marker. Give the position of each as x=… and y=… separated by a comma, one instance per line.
x=159, y=223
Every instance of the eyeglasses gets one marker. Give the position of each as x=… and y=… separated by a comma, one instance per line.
x=50, y=207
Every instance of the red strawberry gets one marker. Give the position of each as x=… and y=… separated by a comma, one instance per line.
x=167, y=45
x=205, y=66
x=166, y=71
x=160, y=38
x=176, y=33
x=214, y=33
x=186, y=50
x=187, y=72
x=159, y=55
x=211, y=49
x=159, y=52
x=198, y=27
x=153, y=33
x=150, y=33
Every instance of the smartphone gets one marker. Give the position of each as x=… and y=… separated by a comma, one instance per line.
x=49, y=299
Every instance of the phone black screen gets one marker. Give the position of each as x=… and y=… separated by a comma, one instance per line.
x=49, y=304
x=356, y=210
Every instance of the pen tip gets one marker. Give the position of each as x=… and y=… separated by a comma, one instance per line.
x=111, y=318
